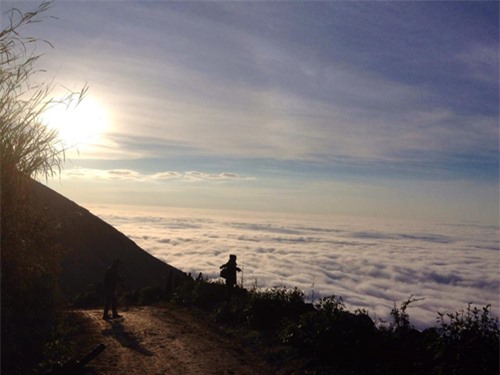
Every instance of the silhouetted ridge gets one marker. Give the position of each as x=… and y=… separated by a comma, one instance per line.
x=92, y=244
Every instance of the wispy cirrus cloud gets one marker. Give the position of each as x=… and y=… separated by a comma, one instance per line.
x=246, y=93
x=126, y=174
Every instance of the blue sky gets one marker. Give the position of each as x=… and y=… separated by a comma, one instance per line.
x=364, y=108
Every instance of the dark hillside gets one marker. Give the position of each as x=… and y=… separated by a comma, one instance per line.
x=91, y=245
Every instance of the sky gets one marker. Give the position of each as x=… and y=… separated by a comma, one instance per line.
x=378, y=109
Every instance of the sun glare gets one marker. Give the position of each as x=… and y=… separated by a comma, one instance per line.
x=77, y=124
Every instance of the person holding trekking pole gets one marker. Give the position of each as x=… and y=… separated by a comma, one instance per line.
x=228, y=272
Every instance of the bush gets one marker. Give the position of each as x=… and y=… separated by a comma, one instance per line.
x=202, y=293
x=30, y=294
x=331, y=337
x=30, y=256
x=267, y=309
x=400, y=318
x=150, y=295
x=332, y=334
x=468, y=342
x=91, y=297
x=183, y=293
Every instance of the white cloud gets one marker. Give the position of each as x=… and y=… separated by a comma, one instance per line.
x=126, y=174
x=166, y=175
x=223, y=176
x=371, y=264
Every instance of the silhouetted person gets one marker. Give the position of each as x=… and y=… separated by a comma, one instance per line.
x=229, y=272
x=111, y=279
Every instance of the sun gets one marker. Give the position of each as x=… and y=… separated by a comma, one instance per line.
x=77, y=124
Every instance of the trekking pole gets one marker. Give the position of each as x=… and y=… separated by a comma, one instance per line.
x=243, y=269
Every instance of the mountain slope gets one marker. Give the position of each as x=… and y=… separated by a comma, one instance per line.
x=91, y=244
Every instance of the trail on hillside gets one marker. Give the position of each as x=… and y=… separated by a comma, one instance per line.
x=154, y=340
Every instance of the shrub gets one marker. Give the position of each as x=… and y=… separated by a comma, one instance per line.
x=208, y=294
x=234, y=311
x=92, y=296
x=332, y=334
x=331, y=305
x=468, y=342
x=400, y=318
x=268, y=308
x=150, y=295
x=30, y=255
x=183, y=293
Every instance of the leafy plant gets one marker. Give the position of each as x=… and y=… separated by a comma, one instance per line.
x=331, y=305
x=400, y=318
x=30, y=255
x=471, y=321
x=332, y=334
x=269, y=307
x=334, y=339
x=26, y=144
x=468, y=342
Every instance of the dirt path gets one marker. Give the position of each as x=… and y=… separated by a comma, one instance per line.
x=154, y=340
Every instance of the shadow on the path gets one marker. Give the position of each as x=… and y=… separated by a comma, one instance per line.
x=126, y=339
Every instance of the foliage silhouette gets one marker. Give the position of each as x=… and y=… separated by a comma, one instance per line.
x=29, y=256
x=331, y=339
x=468, y=341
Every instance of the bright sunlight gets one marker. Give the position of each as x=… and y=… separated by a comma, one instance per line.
x=78, y=124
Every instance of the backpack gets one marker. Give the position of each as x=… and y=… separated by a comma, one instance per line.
x=224, y=273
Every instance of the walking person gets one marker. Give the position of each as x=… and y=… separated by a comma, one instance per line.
x=111, y=279
x=228, y=271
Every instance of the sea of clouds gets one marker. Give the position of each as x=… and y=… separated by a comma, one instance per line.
x=371, y=263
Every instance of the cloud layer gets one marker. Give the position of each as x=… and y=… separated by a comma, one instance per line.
x=371, y=264
x=132, y=175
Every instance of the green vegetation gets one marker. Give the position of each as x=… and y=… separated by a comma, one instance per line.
x=30, y=255
x=327, y=338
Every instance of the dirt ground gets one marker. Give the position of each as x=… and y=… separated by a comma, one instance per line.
x=162, y=340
